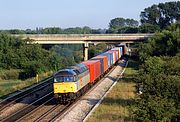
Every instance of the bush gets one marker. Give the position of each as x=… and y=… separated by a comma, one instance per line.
x=9, y=74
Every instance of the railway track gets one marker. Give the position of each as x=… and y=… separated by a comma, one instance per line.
x=71, y=106
x=42, y=112
x=45, y=108
x=21, y=97
x=28, y=108
x=25, y=92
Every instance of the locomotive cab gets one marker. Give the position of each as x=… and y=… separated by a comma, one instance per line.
x=64, y=81
x=69, y=81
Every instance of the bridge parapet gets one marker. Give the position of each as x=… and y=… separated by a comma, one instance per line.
x=84, y=38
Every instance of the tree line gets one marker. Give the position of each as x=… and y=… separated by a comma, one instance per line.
x=33, y=59
x=56, y=30
x=159, y=75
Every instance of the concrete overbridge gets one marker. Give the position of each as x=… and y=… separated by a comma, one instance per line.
x=85, y=39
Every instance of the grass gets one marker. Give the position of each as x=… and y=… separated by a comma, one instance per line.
x=117, y=105
x=10, y=86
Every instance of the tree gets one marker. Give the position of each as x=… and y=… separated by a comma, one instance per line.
x=165, y=43
x=148, y=28
x=159, y=75
x=161, y=15
x=155, y=109
x=119, y=23
x=15, y=53
x=161, y=90
x=128, y=30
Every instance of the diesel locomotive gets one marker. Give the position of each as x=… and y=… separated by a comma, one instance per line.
x=72, y=82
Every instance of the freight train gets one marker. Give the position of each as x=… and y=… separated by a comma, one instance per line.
x=72, y=82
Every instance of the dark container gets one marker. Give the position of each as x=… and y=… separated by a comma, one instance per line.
x=110, y=58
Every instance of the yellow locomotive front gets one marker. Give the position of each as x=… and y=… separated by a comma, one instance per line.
x=68, y=82
x=65, y=84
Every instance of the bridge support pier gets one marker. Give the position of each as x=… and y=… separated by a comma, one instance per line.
x=128, y=49
x=109, y=46
x=85, y=51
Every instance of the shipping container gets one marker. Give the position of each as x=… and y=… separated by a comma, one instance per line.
x=113, y=56
x=110, y=58
x=119, y=51
x=104, y=62
x=124, y=48
x=115, y=53
x=94, y=69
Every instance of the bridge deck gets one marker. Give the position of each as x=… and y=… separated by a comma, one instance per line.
x=85, y=38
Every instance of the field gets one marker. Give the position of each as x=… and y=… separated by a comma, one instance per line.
x=10, y=83
x=117, y=105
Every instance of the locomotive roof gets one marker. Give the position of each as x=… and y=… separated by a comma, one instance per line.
x=66, y=72
x=73, y=70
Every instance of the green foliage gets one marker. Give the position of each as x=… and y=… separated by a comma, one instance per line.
x=148, y=28
x=121, y=22
x=161, y=89
x=153, y=66
x=31, y=58
x=165, y=43
x=155, y=109
x=161, y=15
x=56, y=30
x=9, y=74
x=78, y=30
x=70, y=54
x=128, y=30
x=160, y=77
x=121, y=25
x=96, y=49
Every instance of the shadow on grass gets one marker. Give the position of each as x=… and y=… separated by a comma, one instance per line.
x=109, y=116
x=127, y=79
x=133, y=64
x=118, y=101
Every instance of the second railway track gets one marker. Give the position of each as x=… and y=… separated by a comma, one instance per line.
x=11, y=104
x=44, y=109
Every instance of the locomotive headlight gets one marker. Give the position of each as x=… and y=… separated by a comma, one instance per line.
x=71, y=86
x=55, y=80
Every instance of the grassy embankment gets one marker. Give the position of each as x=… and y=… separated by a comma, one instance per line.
x=9, y=81
x=117, y=105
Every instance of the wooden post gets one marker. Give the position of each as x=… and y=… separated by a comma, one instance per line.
x=37, y=78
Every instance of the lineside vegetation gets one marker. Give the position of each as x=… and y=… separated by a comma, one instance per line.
x=159, y=75
x=118, y=104
x=21, y=63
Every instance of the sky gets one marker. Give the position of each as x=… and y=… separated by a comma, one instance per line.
x=24, y=14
